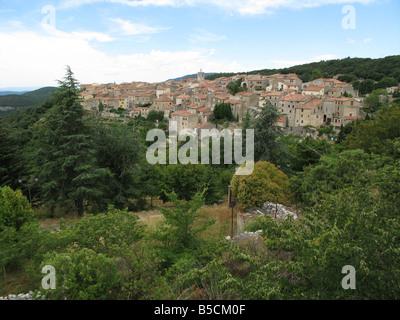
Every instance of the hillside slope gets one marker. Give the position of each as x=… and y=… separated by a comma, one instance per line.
x=361, y=68
x=16, y=101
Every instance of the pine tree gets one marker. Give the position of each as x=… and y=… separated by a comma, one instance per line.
x=65, y=159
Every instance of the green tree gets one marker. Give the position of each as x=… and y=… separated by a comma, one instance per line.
x=15, y=213
x=348, y=78
x=223, y=111
x=183, y=223
x=316, y=74
x=15, y=209
x=100, y=106
x=376, y=136
x=333, y=174
x=155, y=115
x=68, y=171
x=266, y=134
x=187, y=180
x=367, y=86
x=386, y=82
x=235, y=86
x=376, y=100
x=82, y=275
x=120, y=151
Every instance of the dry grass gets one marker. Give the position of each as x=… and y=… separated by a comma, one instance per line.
x=152, y=219
x=223, y=220
x=219, y=212
x=42, y=215
x=15, y=282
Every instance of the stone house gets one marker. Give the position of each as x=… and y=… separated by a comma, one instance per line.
x=238, y=108
x=250, y=99
x=272, y=96
x=288, y=104
x=161, y=103
x=182, y=98
x=143, y=111
x=184, y=119
x=309, y=114
x=282, y=122
x=316, y=90
x=199, y=99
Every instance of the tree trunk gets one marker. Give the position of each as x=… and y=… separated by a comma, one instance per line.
x=79, y=207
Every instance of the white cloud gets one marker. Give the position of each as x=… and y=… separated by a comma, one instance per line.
x=367, y=40
x=84, y=35
x=290, y=63
x=325, y=57
x=202, y=37
x=244, y=7
x=350, y=41
x=48, y=55
x=133, y=29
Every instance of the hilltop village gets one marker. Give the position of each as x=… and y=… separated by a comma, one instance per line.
x=305, y=107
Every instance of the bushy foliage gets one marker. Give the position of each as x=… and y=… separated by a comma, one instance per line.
x=139, y=266
x=376, y=136
x=266, y=183
x=333, y=174
x=106, y=233
x=187, y=180
x=82, y=275
x=235, y=86
x=15, y=209
x=223, y=111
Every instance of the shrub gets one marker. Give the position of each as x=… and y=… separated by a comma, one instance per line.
x=15, y=209
x=82, y=275
x=105, y=233
x=266, y=183
x=140, y=272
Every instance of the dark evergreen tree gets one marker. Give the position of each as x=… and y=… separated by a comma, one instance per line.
x=266, y=133
x=65, y=158
x=118, y=150
x=10, y=160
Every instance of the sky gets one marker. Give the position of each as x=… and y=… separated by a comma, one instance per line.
x=106, y=41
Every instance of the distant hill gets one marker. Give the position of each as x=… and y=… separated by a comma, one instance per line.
x=11, y=102
x=4, y=93
x=191, y=76
x=361, y=68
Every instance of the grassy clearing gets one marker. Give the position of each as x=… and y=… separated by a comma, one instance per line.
x=223, y=220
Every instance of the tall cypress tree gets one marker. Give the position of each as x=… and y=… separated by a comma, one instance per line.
x=66, y=161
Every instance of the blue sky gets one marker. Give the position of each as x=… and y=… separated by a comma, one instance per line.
x=155, y=40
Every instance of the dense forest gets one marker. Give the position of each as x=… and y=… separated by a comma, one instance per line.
x=27, y=99
x=354, y=70
x=57, y=160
